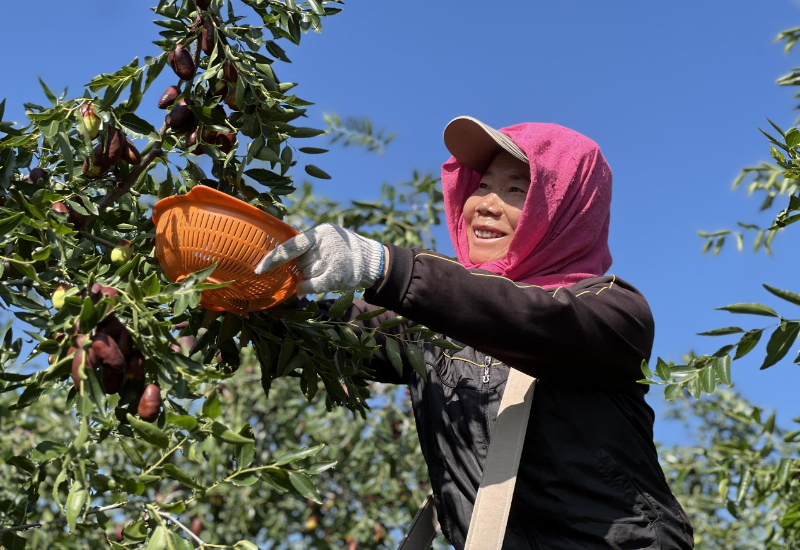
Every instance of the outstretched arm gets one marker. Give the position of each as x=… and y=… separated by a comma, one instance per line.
x=597, y=332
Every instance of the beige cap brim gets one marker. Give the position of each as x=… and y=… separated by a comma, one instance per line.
x=475, y=144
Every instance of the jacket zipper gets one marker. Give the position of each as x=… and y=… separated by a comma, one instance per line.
x=487, y=362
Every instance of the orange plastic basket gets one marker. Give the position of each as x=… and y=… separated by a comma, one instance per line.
x=206, y=227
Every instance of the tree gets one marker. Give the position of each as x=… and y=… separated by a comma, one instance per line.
x=146, y=428
x=743, y=479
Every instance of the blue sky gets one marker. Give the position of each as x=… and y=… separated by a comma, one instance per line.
x=672, y=92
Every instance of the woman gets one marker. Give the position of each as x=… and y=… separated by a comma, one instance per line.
x=528, y=212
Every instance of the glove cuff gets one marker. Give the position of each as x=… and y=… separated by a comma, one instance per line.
x=373, y=254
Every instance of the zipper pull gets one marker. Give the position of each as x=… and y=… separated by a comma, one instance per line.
x=487, y=362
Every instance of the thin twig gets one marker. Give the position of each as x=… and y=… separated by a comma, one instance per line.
x=64, y=520
x=94, y=238
x=173, y=519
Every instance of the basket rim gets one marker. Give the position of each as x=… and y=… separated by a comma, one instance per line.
x=200, y=195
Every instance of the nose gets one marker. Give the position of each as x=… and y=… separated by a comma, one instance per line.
x=489, y=205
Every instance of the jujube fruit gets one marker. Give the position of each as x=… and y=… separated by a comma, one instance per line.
x=106, y=350
x=59, y=296
x=229, y=71
x=135, y=369
x=180, y=119
x=207, y=38
x=226, y=142
x=112, y=380
x=98, y=164
x=37, y=174
x=90, y=120
x=181, y=62
x=87, y=357
x=114, y=147
x=130, y=153
x=99, y=291
x=230, y=99
x=122, y=252
x=168, y=97
x=149, y=403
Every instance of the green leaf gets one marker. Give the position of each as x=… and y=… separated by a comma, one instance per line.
x=149, y=432
x=75, y=501
x=445, y=344
x=245, y=545
x=312, y=150
x=159, y=539
x=371, y=314
x=50, y=95
x=672, y=391
x=747, y=342
x=211, y=406
x=792, y=137
x=417, y=360
x=304, y=486
x=393, y=351
x=136, y=531
x=787, y=295
x=708, y=379
x=302, y=132
x=662, y=369
x=179, y=475
x=744, y=484
x=8, y=224
x=225, y=434
x=341, y=305
x=184, y=421
x=780, y=342
x=751, y=309
x=646, y=372
x=300, y=454
x=316, y=172
x=320, y=467
x=782, y=471
x=721, y=331
x=722, y=367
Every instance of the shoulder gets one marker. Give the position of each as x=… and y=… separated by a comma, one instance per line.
x=610, y=292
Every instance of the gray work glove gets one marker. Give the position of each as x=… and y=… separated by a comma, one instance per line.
x=330, y=257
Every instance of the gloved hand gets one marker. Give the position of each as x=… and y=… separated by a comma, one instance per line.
x=331, y=258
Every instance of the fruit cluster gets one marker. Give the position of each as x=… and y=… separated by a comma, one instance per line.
x=109, y=151
x=180, y=119
x=110, y=353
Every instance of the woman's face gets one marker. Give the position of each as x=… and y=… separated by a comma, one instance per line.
x=493, y=210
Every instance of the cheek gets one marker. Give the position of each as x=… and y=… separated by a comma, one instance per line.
x=469, y=209
x=513, y=214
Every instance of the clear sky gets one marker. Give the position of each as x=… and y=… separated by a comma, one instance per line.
x=672, y=92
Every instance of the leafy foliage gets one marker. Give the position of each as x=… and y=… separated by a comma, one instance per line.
x=81, y=455
x=738, y=481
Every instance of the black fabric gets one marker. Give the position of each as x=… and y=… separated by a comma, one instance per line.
x=589, y=475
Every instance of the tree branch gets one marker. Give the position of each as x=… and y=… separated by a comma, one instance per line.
x=64, y=520
x=125, y=185
x=200, y=542
x=94, y=238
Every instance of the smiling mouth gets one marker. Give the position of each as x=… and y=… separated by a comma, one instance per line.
x=488, y=234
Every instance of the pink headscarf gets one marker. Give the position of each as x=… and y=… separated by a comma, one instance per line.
x=562, y=234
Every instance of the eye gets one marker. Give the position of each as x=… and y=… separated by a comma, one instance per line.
x=518, y=189
x=483, y=185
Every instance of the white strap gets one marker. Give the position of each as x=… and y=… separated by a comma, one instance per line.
x=487, y=528
x=423, y=529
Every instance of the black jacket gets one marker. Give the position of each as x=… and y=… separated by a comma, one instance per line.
x=589, y=475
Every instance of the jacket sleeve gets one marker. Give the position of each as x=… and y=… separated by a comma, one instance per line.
x=383, y=370
x=595, y=332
